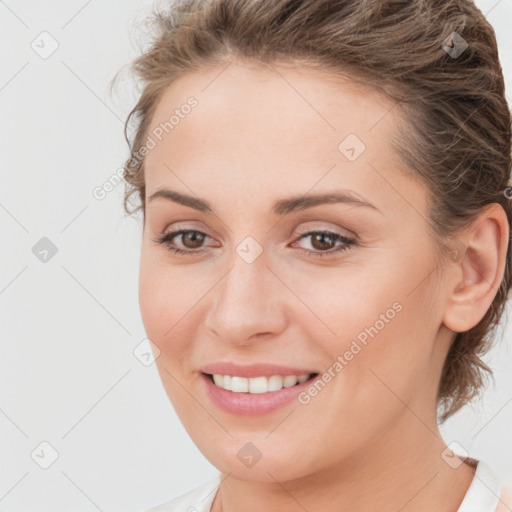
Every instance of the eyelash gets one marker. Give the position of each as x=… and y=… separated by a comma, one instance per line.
x=347, y=242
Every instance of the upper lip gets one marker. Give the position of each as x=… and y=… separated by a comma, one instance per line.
x=253, y=370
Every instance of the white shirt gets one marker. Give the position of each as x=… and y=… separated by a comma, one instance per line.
x=482, y=495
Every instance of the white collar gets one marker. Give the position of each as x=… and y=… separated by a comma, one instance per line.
x=485, y=489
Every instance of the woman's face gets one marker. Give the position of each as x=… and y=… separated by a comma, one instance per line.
x=282, y=270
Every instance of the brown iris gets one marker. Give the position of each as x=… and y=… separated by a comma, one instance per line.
x=194, y=237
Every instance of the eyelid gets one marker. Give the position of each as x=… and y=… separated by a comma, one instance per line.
x=190, y=225
x=346, y=233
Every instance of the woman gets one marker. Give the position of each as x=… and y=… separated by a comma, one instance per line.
x=326, y=245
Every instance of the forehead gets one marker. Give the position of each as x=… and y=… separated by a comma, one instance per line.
x=264, y=128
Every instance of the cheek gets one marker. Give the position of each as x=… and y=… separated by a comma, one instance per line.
x=167, y=315
x=371, y=317
x=171, y=306
x=163, y=299
x=152, y=302
x=339, y=305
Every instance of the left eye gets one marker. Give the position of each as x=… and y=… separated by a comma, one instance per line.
x=323, y=242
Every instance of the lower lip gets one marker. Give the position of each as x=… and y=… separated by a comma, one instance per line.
x=252, y=404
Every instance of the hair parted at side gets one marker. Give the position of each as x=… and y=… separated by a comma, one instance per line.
x=456, y=133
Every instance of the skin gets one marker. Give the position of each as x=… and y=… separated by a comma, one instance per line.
x=263, y=133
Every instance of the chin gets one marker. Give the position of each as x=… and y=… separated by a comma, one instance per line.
x=247, y=457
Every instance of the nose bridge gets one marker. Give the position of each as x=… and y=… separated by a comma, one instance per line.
x=245, y=302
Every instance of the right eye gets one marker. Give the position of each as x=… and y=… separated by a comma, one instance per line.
x=190, y=238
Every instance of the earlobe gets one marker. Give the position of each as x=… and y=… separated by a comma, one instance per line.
x=474, y=279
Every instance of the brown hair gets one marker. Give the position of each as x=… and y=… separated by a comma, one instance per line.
x=455, y=135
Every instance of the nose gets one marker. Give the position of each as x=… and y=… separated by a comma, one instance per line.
x=248, y=303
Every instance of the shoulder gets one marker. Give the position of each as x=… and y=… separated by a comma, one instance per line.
x=198, y=499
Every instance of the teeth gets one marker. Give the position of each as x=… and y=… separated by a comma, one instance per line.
x=239, y=384
x=257, y=384
x=218, y=379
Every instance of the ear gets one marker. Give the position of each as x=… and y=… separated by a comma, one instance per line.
x=475, y=275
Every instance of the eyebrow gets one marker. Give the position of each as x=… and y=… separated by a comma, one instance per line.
x=279, y=207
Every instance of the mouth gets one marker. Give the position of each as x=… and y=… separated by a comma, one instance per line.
x=254, y=396
x=258, y=385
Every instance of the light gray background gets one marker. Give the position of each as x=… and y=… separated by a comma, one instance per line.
x=69, y=326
